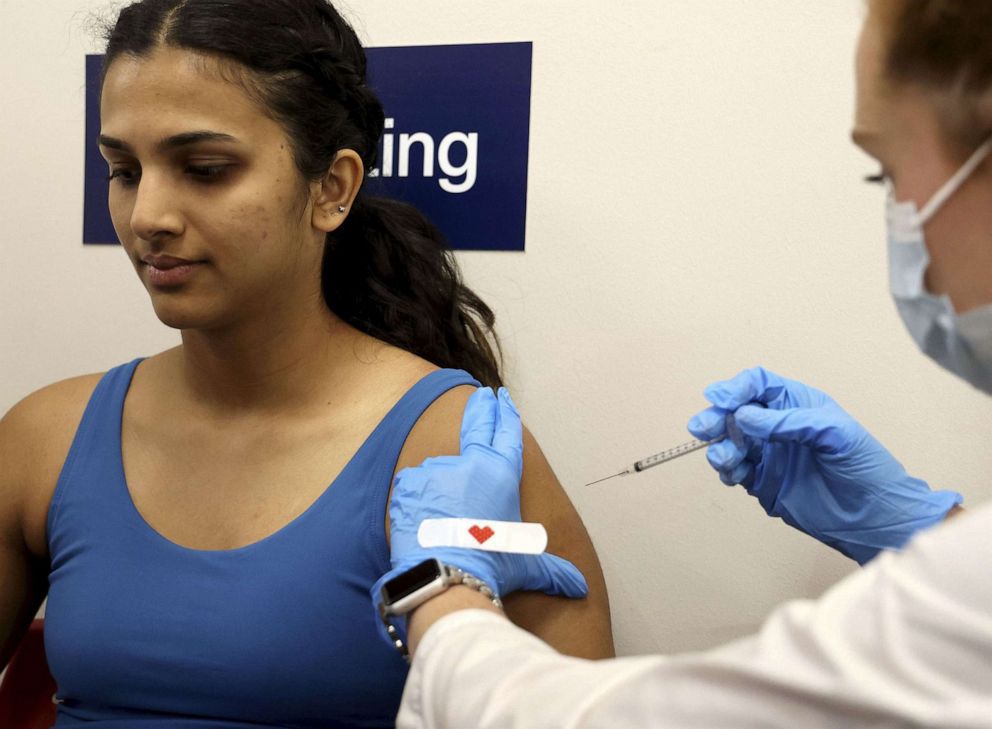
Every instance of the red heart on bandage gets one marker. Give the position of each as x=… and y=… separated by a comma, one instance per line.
x=481, y=534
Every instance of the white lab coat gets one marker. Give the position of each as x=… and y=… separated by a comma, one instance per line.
x=906, y=641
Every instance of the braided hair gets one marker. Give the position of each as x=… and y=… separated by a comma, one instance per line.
x=387, y=270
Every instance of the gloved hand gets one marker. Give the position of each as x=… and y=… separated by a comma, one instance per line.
x=481, y=483
x=810, y=463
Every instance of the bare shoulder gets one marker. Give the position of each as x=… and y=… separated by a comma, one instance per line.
x=45, y=418
x=35, y=436
x=437, y=432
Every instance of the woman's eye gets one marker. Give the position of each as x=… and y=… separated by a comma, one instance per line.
x=125, y=176
x=206, y=173
x=879, y=178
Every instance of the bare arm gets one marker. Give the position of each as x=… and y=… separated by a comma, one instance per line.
x=22, y=574
x=35, y=437
x=24, y=588
x=574, y=627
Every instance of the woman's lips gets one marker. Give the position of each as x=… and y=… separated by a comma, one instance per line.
x=169, y=271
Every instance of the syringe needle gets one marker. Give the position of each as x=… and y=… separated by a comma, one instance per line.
x=606, y=479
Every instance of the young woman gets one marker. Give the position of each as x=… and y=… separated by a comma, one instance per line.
x=207, y=522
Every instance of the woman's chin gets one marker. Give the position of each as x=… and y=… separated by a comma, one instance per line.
x=184, y=317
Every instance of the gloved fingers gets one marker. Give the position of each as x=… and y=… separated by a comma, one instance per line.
x=750, y=446
x=730, y=462
x=752, y=385
x=734, y=433
x=822, y=430
x=742, y=473
x=708, y=424
x=479, y=419
x=725, y=455
x=508, y=435
x=410, y=477
x=726, y=479
x=436, y=463
x=559, y=577
x=375, y=594
x=418, y=489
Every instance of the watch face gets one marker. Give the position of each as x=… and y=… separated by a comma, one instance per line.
x=411, y=581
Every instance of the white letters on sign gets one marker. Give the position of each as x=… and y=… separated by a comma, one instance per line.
x=397, y=150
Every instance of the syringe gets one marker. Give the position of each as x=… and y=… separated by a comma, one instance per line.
x=733, y=432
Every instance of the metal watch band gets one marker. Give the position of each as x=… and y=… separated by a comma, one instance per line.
x=454, y=576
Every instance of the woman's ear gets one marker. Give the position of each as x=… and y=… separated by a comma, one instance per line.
x=335, y=193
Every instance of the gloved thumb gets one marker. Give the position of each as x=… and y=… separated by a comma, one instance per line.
x=558, y=576
x=508, y=433
x=812, y=427
x=479, y=419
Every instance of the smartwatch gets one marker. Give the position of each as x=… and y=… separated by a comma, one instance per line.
x=412, y=588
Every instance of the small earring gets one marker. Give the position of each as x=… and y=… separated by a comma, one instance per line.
x=341, y=209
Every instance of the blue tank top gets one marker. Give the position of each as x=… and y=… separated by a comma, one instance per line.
x=141, y=632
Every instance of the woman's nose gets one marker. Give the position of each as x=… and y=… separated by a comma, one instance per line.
x=155, y=211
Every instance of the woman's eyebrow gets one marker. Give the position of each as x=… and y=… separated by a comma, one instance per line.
x=177, y=140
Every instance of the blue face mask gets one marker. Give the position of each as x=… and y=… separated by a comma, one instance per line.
x=960, y=343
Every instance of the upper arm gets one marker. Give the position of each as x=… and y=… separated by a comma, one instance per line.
x=34, y=439
x=575, y=627
x=21, y=573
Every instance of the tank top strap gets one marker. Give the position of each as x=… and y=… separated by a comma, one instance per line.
x=377, y=459
x=96, y=445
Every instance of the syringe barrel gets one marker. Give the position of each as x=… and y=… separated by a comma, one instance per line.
x=733, y=432
x=672, y=453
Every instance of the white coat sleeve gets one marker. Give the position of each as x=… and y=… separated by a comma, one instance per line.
x=907, y=641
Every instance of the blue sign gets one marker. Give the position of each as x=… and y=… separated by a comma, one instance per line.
x=456, y=141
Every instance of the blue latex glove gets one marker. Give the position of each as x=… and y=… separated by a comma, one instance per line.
x=810, y=463
x=481, y=483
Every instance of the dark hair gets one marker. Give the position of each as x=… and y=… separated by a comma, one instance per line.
x=945, y=45
x=387, y=270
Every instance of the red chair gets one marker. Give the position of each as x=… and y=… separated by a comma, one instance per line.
x=27, y=689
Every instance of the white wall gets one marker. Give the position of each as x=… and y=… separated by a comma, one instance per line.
x=695, y=208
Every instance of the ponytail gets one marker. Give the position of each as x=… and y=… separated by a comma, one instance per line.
x=388, y=273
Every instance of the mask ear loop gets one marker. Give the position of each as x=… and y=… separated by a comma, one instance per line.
x=952, y=185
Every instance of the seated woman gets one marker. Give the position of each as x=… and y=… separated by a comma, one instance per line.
x=199, y=569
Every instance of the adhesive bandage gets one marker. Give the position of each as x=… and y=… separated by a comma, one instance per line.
x=492, y=536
